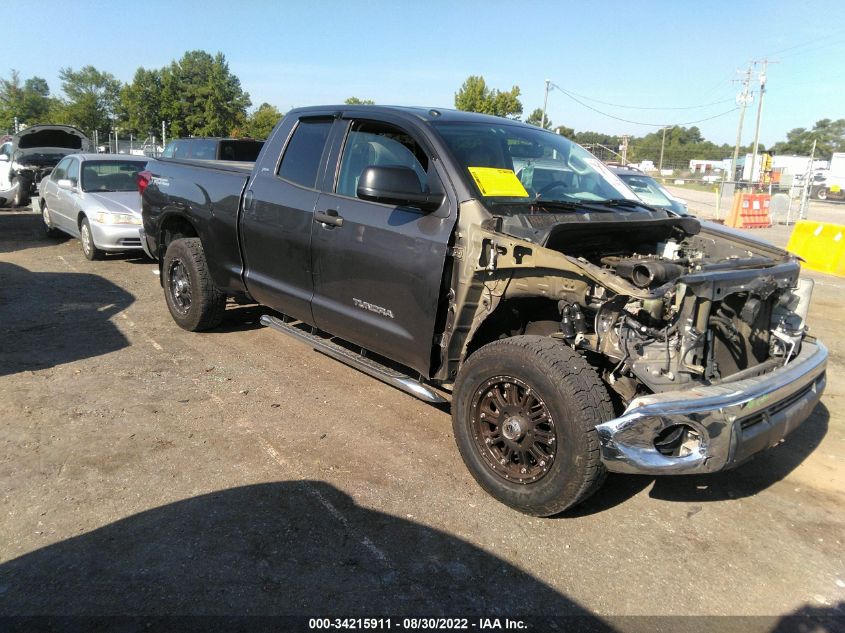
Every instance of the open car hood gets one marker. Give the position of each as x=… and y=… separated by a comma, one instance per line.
x=53, y=136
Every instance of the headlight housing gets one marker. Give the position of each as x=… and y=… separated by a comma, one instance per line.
x=106, y=217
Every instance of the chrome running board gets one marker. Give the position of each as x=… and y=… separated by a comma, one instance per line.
x=369, y=366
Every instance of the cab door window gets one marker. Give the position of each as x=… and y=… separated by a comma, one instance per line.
x=369, y=144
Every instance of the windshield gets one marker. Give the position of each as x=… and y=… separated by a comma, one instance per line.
x=516, y=163
x=111, y=175
x=647, y=189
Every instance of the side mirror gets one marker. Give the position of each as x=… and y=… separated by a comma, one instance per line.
x=4, y=158
x=395, y=184
x=65, y=183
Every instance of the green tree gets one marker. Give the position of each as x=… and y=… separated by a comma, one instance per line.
x=11, y=100
x=568, y=132
x=260, y=123
x=200, y=96
x=29, y=102
x=141, y=102
x=829, y=137
x=91, y=98
x=536, y=118
x=475, y=96
x=357, y=101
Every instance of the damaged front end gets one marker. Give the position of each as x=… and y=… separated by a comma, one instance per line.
x=699, y=333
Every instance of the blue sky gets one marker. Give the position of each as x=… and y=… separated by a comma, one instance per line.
x=650, y=54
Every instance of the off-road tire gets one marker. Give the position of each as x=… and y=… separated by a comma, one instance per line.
x=89, y=248
x=207, y=303
x=21, y=197
x=49, y=229
x=576, y=400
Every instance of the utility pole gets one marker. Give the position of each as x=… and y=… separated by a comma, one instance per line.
x=743, y=98
x=808, y=183
x=762, y=76
x=545, y=103
x=163, y=134
x=624, y=148
x=662, y=145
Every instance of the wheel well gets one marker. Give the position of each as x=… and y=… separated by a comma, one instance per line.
x=173, y=228
x=513, y=317
x=79, y=219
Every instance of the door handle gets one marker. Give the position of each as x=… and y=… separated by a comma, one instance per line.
x=328, y=218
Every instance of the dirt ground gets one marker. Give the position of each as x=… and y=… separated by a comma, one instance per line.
x=148, y=470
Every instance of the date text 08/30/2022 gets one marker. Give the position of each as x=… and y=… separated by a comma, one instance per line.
x=416, y=624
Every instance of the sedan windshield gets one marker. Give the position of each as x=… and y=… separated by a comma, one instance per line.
x=647, y=189
x=111, y=175
x=517, y=163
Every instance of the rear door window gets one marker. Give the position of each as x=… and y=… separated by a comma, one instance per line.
x=301, y=161
x=203, y=148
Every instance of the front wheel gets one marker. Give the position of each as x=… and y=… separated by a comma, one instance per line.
x=194, y=301
x=524, y=416
x=89, y=249
x=821, y=193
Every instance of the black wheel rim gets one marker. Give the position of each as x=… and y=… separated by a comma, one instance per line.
x=513, y=429
x=180, y=286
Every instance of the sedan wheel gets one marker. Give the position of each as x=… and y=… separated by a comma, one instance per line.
x=89, y=249
x=48, y=222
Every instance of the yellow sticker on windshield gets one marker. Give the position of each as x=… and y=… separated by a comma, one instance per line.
x=497, y=182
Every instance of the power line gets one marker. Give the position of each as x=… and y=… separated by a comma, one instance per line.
x=657, y=125
x=630, y=107
x=820, y=42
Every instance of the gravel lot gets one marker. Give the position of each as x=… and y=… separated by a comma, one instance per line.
x=148, y=470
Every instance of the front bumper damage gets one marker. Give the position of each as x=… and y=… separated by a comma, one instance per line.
x=734, y=420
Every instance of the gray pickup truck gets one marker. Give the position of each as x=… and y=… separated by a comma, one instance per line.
x=470, y=258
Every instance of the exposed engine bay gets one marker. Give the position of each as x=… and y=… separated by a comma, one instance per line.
x=656, y=304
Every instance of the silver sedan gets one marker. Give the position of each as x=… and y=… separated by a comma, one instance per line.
x=94, y=197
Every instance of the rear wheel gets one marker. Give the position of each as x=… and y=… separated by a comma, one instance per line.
x=195, y=303
x=524, y=416
x=49, y=229
x=86, y=238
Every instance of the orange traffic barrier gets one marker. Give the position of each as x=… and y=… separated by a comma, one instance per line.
x=749, y=211
x=821, y=245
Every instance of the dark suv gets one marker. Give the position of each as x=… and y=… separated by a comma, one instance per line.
x=205, y=148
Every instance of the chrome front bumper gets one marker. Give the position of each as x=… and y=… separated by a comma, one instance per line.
x=735, y=420
x=116, y=237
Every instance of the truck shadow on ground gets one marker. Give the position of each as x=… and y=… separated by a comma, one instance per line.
x=747, y=480
x=21, y=229
x=297, y=548
x=47, y=319
x=282, y=548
